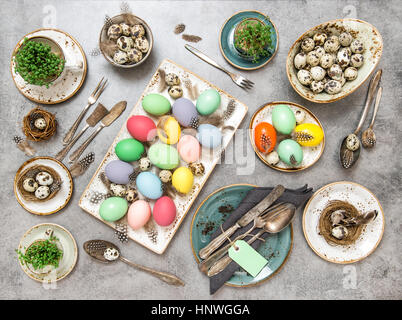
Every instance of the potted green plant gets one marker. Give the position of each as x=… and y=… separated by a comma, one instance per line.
x=252, y=38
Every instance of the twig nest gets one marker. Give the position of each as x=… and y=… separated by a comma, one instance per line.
x=39, y=125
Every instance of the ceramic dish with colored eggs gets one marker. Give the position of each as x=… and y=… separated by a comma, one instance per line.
x=162, y=156
x=286, y=136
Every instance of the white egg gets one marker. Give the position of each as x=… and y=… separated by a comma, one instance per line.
x=42, y=192
x=307, y=45
x=350, y=73
x=335, y=72
x=317, y=86
x=300, y=115
x=317, y=73
x=326, y=61
x=273, y=158
x=357, y=46
x=30, y=185
x=319, y=51
x=343, y=57
x=345, y=39
x=304, y=77
x=333, y=87
x=120, y=57
x=332, y=44
x=44, y=178
x=313, y=59
x=300, y=60
x=357, y=60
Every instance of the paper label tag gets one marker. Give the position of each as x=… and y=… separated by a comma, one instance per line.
x=247, y=258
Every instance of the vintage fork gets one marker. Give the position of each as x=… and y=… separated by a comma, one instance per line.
x=239, y=80
x=91, y=100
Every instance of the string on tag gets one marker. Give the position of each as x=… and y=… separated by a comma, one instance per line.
x=254, y=235
x=230, y=241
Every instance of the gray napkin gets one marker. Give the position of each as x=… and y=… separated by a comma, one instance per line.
x=296, y=196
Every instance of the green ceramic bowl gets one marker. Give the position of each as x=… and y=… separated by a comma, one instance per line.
x=214, y=210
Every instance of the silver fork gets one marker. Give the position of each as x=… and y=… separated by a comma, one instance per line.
x=239, y=80
x=91, y=100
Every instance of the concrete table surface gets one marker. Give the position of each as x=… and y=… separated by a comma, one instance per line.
x=305, y=275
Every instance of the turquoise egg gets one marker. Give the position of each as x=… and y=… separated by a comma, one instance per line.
x=163, y=156
x=149, y=185
x=113, y=209
x=156, y=104
x=129, y=150
x=283, y=119
x=209, y=136
x=290, y=152
x=208, y=102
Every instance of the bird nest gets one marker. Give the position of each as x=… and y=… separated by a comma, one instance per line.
x=35, y=134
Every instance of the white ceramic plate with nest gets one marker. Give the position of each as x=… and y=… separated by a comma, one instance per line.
x=364, y=201
x=65, y=242
x=360, y=30
x=72, y=76
x=62, y=197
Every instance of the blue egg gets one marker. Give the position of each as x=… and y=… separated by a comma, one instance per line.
x=209, y=136
x=149, y=185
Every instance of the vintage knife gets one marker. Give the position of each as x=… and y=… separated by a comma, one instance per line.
x=243, y=221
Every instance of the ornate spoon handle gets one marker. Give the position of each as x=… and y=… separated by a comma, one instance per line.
x=77, y=153
x=73, y=129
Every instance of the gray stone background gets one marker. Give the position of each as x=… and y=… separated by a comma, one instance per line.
x=305, y=275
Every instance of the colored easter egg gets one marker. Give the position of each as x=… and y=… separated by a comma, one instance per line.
x=209, y=136
x=308, y=134
x=141, y=128
x=118, y=171
x=185, y=112
x=189, y=148
x=265, y=137
x=169, y=130
x=113, y=209
x=290, y=152
x=164, y=211
x=283, y=119
x=163, y=156
x=208, y=102
x=182, y=179
x=149, y=185
x=138, y=214
x=129, y=150
x=156, y=104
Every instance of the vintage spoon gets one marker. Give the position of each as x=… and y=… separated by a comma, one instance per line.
x=106, y=251
x=368, y=136
x=350, y=147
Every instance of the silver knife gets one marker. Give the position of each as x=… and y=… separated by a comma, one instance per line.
x=243, y=221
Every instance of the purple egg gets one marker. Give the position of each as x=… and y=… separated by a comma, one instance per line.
x=118, y=171
x=185, y=112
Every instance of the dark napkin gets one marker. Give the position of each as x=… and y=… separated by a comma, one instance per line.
x=296, y=196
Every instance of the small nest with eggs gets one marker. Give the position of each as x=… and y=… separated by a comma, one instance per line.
x=325, y=224
x=33, y=133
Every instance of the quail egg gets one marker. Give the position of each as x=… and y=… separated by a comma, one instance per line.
x=131, y=195
x=40, y=124
x=313, y=59
x=343, y=57
x=336, y=217
x=339, y=232
x=335, y=72
x=125, y=43
x=345, y=39
x=317, y=73
x=317, y=86
x=30, y=185
x=304, y=77
x=141, y=43
x=332, y=44
x=197, y=169
x=137, y=30
x=320, y=38
x=333, y=87
x=352, y=142
x=114, y=32
x=42, y=192
x=172, y=79
x=165, y=176
x=44, y=178
x=175, y=92
x=273, y=158
x=319, y=51
x=120, y=57
x=118, y=190
x=145, y=164
x=343, y=80
x=357, y=46
x=350, y=73
x=327, y=60
x=307, y=45
x=356, y=60
x=300, y=115
x=125, y=29
x=300, y=60
x=134, y=55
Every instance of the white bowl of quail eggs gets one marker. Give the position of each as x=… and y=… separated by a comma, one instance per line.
x=332, y=60
x=126, y=41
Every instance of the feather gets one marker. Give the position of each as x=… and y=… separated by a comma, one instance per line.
x=162, y=81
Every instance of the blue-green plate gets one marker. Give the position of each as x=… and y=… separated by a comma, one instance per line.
x=226, y=41
x=210, y=215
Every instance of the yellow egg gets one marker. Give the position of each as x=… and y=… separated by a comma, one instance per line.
x=182, y=179
x=168, y=130
x=308, y=134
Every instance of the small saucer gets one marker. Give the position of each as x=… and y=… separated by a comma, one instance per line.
x=226, y=41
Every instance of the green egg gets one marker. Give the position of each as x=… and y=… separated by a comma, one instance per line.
x=113, y=209
x=163, y=156
x=290, y=152
x=156, y=104
x=283, y=119
x=129, y=150
x=208, y=102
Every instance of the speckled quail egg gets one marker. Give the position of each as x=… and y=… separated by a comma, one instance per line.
x=145, y=164
x=273, y=158
x=175, y=92
x=350, y=73
x=125, y=43
x=40, y=123
x=137, y=30
x=343, y=57
x=313, y=59
x=30, y=185
x=172, y=79
x=317, y=86
x=131, y=195
x=125, y=29
x=345, y=39
x=335, y=72
x=300, y=115
x=114, y=32
x=42, y=192
x=118, y=190
x=300, y=60
x=165, y=176
x=357, y=46
x=304, y=77
x=141, y=43
x=356, y=60
x=333, y=87
x=320, y=38
x=332, y=44
x=120, y=57
x=317, y=73
x=307, y=45
x=197, y=169
x=134, y=55
x=44, y=178
x=339, y=232
x=352, y=142
x=319, y=51
x=343, y=80
x=327, y=60
x=336, y=217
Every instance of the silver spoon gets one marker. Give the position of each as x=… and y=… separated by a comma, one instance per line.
x=368, y=136
x=350, y=147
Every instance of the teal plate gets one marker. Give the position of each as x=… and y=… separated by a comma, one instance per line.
x=226, y=41
x=210, y=215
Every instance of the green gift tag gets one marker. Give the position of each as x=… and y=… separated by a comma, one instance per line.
x=247, y=258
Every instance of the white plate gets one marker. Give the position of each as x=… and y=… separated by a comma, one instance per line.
x=364, y=201
x=60, y=200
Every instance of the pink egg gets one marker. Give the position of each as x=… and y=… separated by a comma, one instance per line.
x=189, y=148
x=141, y=128
x=164, y=211
x=138, y=214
